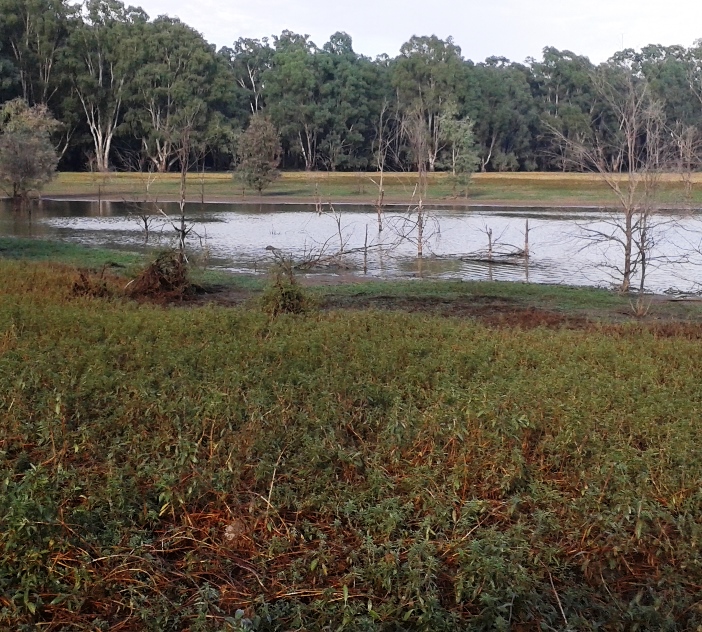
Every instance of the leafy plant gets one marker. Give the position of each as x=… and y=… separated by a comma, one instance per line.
x=284, y=295
x=259, y=153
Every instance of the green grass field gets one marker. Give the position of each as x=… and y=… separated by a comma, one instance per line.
x=212, y=469
x=524, y=188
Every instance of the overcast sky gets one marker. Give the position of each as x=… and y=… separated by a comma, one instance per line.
x=515, y=29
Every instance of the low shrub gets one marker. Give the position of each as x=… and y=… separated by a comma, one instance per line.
x=284, y=295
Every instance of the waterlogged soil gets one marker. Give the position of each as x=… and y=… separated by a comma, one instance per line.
x=490, y=310
x=663, y=316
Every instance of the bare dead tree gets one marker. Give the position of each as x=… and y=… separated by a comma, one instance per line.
x=183, y=229
x=688, y=149
x=147, y=210
x=183, y=147
x=629, y=157
x=381, y=156
x=418, y=135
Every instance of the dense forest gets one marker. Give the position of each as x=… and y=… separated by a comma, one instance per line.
x=123, y=87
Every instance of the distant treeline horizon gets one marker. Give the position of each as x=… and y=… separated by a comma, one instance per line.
x=124, y=86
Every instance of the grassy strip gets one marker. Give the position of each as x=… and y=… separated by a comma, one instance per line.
x=161, y=469
x=593, y=304
x=118, y=262
x=67, y=253
x=533, y=188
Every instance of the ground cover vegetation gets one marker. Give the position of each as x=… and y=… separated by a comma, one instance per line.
x=518, y=189
x=224, y=469
x=123, y=86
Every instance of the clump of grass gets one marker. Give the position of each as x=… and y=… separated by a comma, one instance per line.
x=92, y=285
x=284, y=295
x=164, y=278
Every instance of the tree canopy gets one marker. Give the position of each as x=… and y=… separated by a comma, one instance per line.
x=121, y=84
x=27, y=157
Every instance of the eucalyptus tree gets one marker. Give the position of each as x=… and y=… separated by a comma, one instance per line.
x=225, y=119
x=9, y=77
x=171, y=86
x=426, y=76
x=667, y=72
x=349, y=97
x=563, y=87
x=103, y=54
x=506, y=115
x=35, y=33
x=294, y=92
x=248, y=60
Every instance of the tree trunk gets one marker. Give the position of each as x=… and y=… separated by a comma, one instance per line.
x=628, y=243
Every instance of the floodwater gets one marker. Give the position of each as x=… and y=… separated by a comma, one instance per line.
x=565, y=245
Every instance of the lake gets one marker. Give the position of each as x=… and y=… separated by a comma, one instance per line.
x=240, y=238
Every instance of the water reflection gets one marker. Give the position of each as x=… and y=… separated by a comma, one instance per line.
x=236, y=237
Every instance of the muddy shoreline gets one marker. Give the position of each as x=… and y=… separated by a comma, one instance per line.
x=340, y=200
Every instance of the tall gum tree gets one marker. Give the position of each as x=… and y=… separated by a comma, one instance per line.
x=36, y=33
x=349, y=95
x=173, y=79
x=426, y=76
x=248, y=60
x=293, y=89
x=9, y=77
x=505, y=115
x=103, y=60
x=563, y=87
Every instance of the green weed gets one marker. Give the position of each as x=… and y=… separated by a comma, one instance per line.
x=215, y=469
x=284, y=295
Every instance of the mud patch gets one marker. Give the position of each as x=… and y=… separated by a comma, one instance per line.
x=493, y=311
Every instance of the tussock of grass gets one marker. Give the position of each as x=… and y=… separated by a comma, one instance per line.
x=160, y=469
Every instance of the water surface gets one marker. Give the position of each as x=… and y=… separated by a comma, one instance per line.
x=239, y=237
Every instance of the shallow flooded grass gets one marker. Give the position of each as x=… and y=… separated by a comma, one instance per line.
x=67, y=253
x=217, y=469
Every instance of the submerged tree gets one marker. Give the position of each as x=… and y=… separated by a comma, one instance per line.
x=27, y=156
x=628, y=148
x=259, y=153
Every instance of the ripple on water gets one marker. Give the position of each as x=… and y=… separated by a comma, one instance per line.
x=237, y=236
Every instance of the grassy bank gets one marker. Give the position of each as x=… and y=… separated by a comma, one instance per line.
x=28, y=249
x=486, y=188
x=495, y=302
x=162, y=469
x=118, y=263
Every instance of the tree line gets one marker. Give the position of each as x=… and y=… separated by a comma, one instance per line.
x=122, y=88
